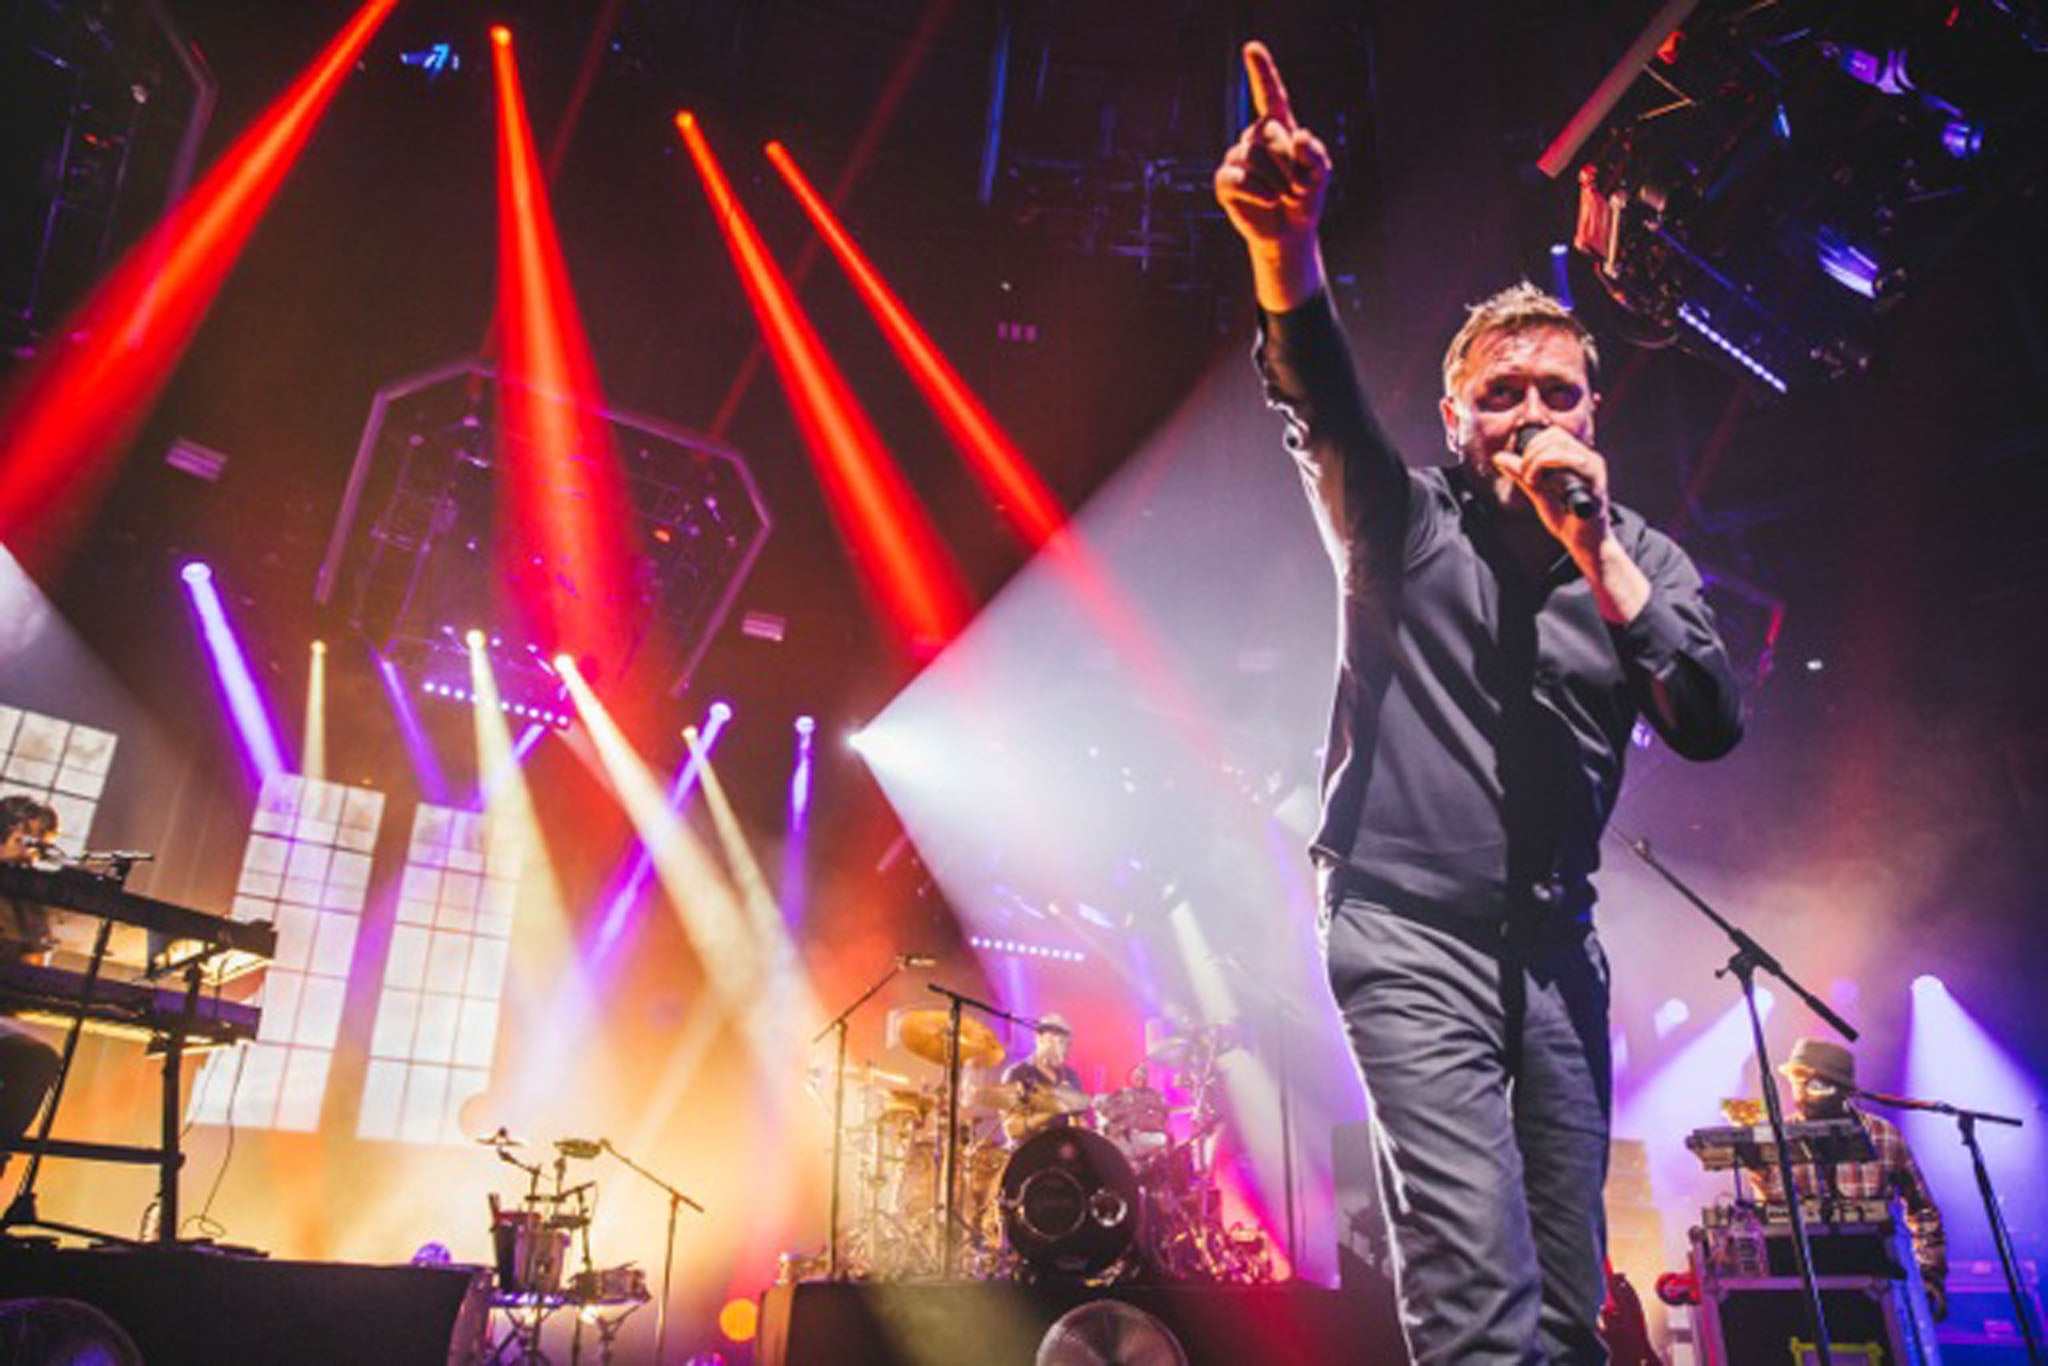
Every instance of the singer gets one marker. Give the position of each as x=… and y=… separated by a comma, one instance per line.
x=1496, y=649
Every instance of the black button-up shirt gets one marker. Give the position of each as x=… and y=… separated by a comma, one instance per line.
x=1482, y=717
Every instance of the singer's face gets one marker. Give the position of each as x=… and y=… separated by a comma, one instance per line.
x=1514, y=379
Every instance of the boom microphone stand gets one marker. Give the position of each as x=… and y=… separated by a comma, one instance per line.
x=956, y=1002
x=839, y=1023
x=676, y=1200
x=1966, y=1122
x=1750, y=956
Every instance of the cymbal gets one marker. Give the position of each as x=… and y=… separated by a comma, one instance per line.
x=1015, y=1097
x=1180, y=1050
x=501, y=1139
x=923, y=1033
x=906, y=1100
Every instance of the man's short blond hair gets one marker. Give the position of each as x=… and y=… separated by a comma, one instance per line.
x=1518, y=308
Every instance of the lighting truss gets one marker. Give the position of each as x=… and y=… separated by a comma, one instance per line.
x=414, y=556
x=1768, y=181
x=109, y=106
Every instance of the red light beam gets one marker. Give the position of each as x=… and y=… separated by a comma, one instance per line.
x=564, y=553
x=888, y=532
x=68, y=414
x=1034, y=512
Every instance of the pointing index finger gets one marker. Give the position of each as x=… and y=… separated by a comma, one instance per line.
x=1269, y=92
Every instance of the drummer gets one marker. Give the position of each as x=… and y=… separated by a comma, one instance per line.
x=1048, y=1090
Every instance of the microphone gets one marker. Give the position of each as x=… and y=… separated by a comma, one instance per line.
x=1570, y=489
x=916, y=960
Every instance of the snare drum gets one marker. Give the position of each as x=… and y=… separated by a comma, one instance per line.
x=1137, y=1120
x=610, y=1285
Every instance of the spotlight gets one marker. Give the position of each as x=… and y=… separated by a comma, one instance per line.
x=564, y=662
x=196, y=572
x=1962, y=139
x=857, y=741
x=739, y=1320
x=720, y=712
x=473, y=638
x=500, y=34
x=319, y=647
x=805, y=725
x=1927, y=985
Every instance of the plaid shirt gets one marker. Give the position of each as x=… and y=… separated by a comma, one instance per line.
x=1892, y=1173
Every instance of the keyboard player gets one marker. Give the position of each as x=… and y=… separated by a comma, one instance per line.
x=1823, y=1082
x=28, y=1066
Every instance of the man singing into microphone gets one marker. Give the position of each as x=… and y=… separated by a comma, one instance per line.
x=1497, y=647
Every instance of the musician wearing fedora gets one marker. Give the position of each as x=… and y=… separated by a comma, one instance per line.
x=1822, y=1075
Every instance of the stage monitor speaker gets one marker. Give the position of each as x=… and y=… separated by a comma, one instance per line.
x=1002, y=1323
x=183, y=1307
x=1365, y=1255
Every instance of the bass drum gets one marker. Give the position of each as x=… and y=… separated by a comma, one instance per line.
x=1069, y=1204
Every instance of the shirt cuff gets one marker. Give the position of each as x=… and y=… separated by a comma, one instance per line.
x=1294, y=345
x=1655, y=637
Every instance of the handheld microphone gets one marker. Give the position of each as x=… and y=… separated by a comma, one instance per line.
x=1571, y=490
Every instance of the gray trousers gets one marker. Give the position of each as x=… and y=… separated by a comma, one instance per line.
x=1485, y=1059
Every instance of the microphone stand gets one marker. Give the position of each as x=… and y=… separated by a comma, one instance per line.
x=1750, y=956
x=1282, y=1022
x=676, y=1200
x=839, y=1023
x=948, y=1162
x=1966, y=1124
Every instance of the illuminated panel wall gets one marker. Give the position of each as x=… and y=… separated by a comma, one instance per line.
x=57, y=762
x=307, y=868
x=437, y=1016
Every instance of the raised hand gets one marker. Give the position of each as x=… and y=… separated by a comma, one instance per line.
x=1274, y=177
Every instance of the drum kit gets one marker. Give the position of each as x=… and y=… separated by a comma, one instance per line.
x=536, y=1245
x=1050, y=1183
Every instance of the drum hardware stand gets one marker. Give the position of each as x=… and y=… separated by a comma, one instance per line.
x=1743, y=965
x=949, y=1228
x=676, y=1200
x=525, y=1335
x=1966, y=1124
x=1285, y=1018
x=833, y=1268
